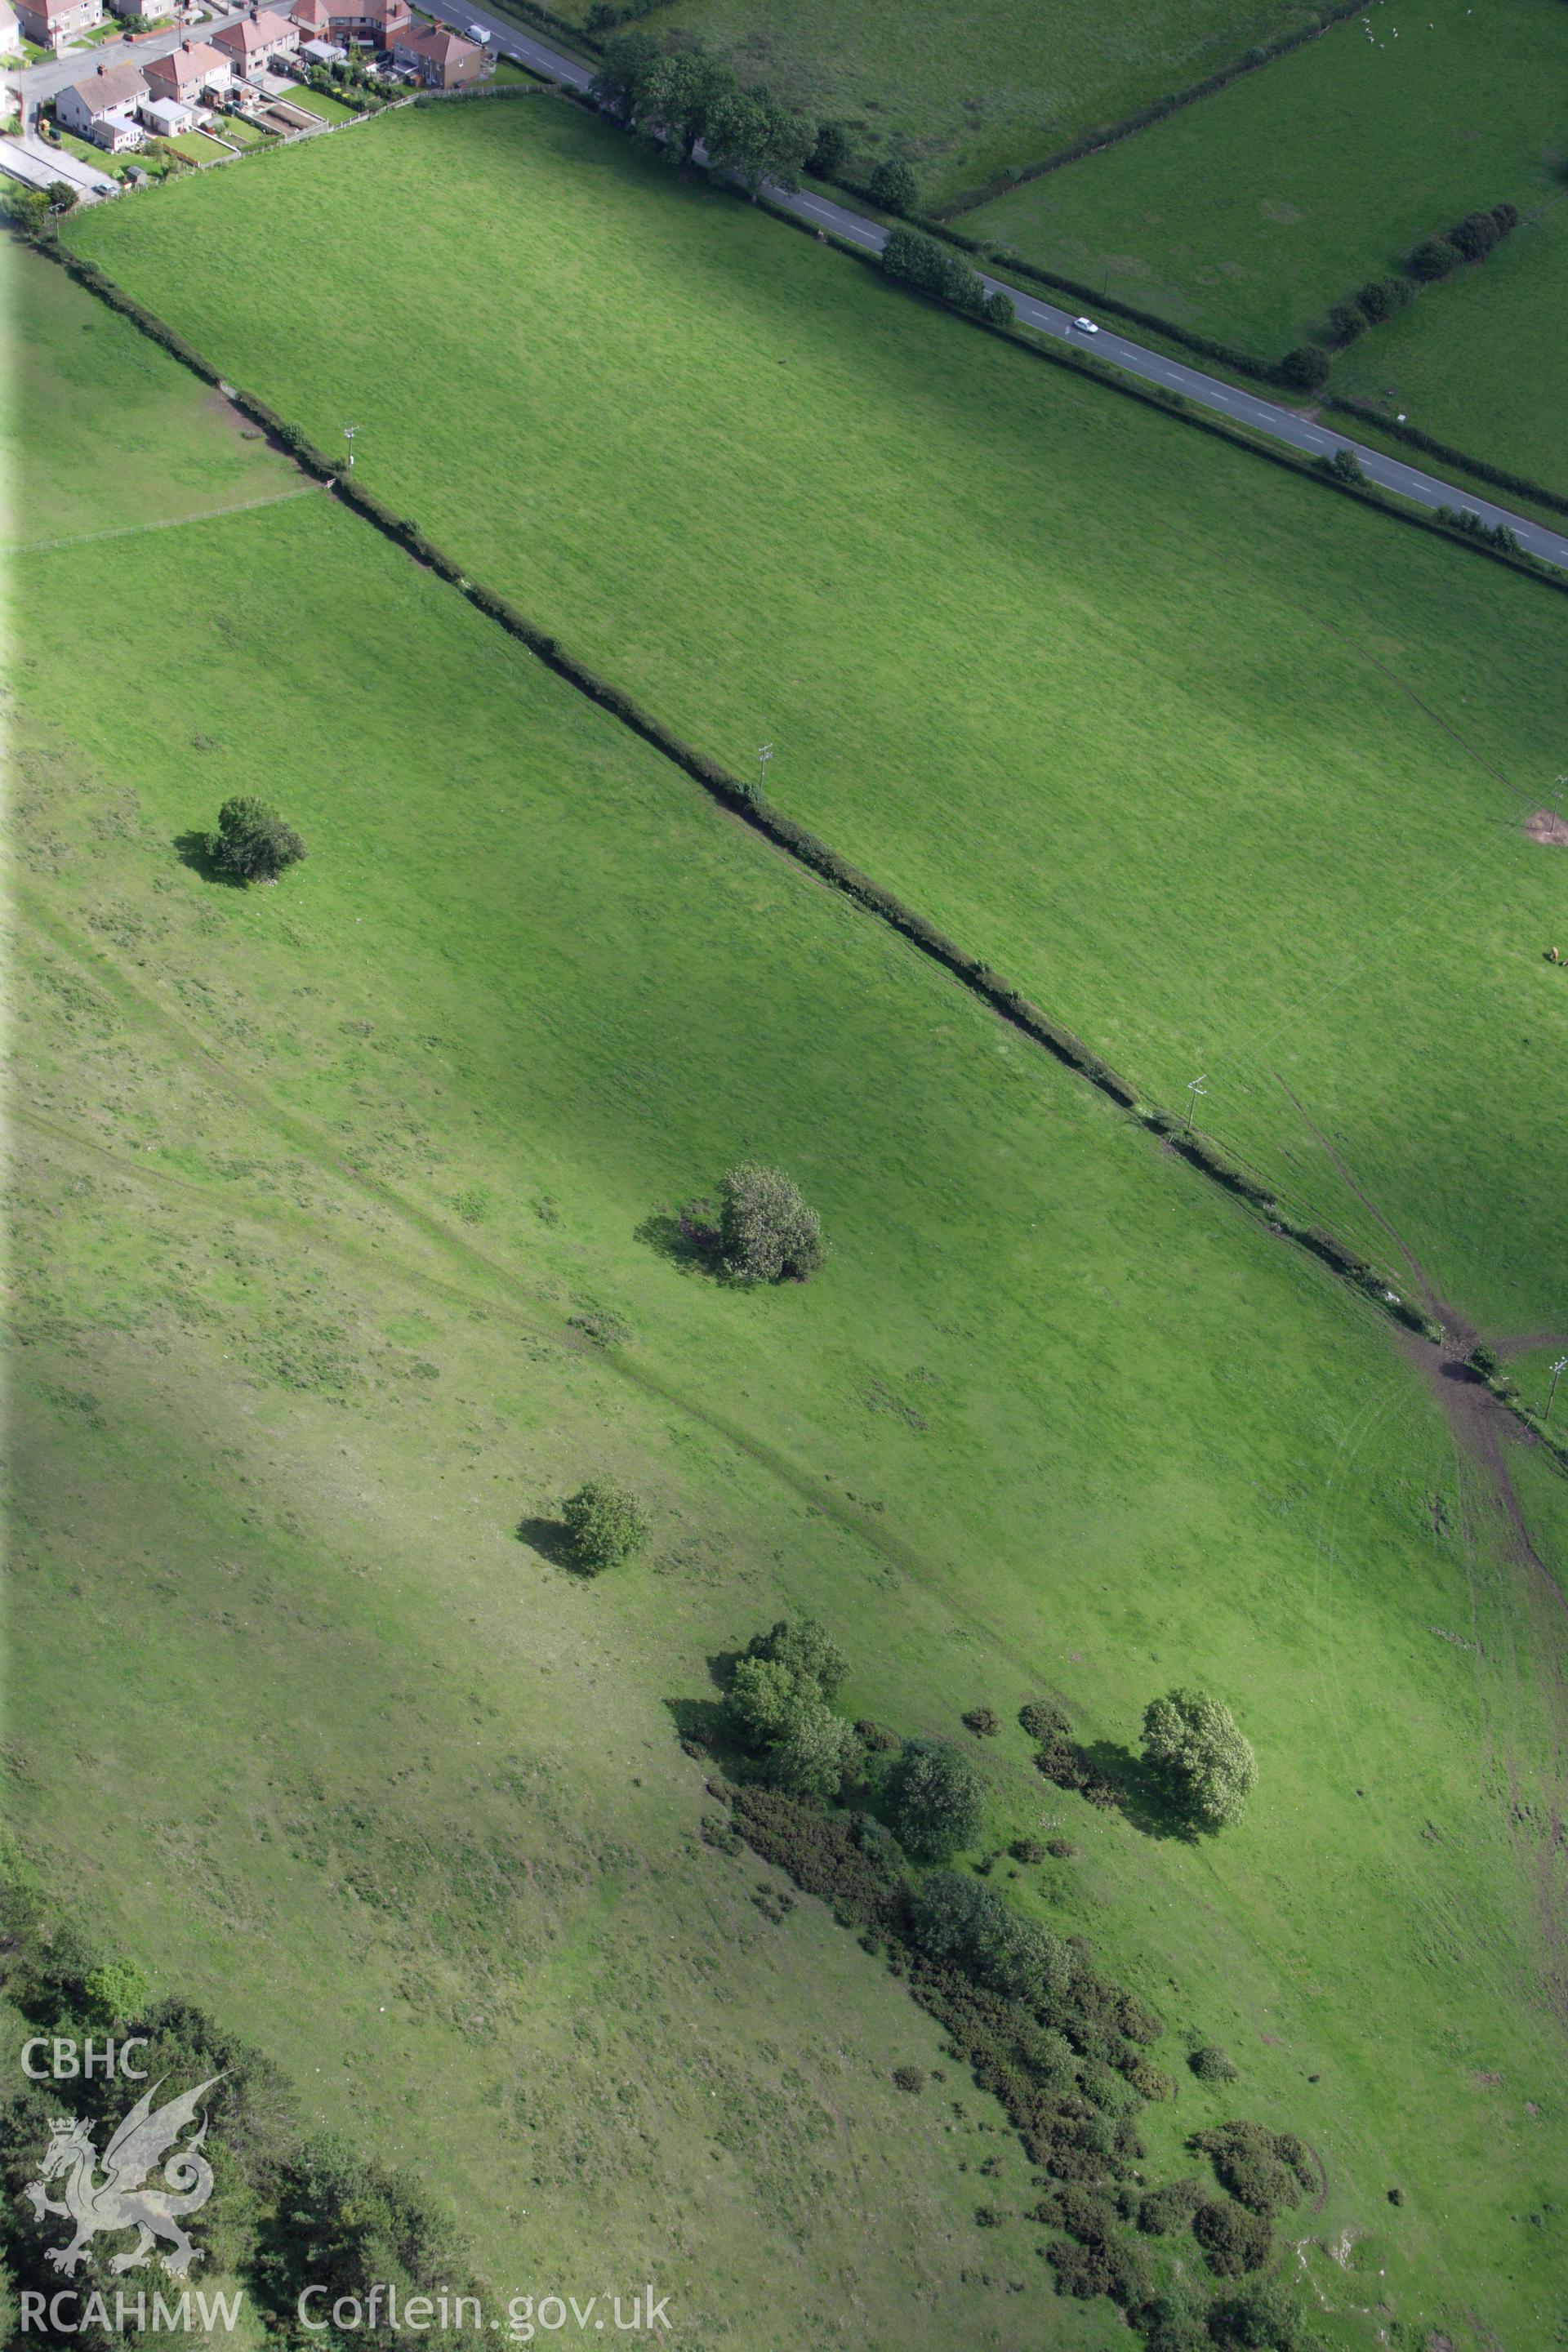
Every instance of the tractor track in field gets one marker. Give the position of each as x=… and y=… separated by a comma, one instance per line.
x=1492, y=1521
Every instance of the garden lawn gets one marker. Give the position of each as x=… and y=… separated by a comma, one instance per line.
x=1226, y=771
x=965, y=89
x=1247, y=214
x=344, y=1216
x=317, y=101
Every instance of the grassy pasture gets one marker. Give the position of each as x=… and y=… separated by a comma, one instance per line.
x=1245, y=214
x=965, y=91
x=1228, y=772
x=90, y=407
x=315, y=1180
x=1475, y=362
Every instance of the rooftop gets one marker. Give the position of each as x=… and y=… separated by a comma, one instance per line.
x=110, y=86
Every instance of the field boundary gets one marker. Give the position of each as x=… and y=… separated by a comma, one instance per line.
x=1092, y=143
x=807, y=849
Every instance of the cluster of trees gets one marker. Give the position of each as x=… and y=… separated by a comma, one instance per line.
x=956, y=1922
x=1497, y=535
x=1065, y=2050
x=687, y=99
x=1378, y=299
x=30, y=211
x=1306, y=369
x=780, y=1705
x=252, y=843
x=1191, y=1745
x=1470, y=239
x=288, y=2210
x=932, y=269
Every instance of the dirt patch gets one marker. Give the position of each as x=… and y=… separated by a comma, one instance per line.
x=1550, y=830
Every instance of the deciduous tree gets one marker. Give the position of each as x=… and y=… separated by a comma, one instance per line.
x=1193, y=1740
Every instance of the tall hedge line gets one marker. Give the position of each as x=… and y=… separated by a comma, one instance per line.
x=1484, y=471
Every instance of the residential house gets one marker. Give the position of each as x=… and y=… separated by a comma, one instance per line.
x=189, y=73
x=165, y=118
x=10, y=31
x=52, y=24
x=102, y=107
x=142, y=12
x=443, y=60
x=253, y=44
x=377, y=23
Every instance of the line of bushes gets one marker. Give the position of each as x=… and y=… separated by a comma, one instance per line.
x=744, y=800
x=918, y=261
x=1307, y=368
x=1262, y=54
x=481, y=90
x=1470, y=239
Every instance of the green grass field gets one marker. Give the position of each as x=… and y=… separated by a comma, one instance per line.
x=1247, y=214
x=315, y=1180
x=1475, y=361
x=964, y=91
x=90, y=405
x=1225, y=772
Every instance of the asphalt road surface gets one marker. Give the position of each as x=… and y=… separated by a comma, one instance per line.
x=1250, y=408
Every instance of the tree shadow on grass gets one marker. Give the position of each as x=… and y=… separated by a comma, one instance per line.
x=551, y=1539
x=1142, y=1793
x=687, y=1237
x=196, y=850
x=703, y=1725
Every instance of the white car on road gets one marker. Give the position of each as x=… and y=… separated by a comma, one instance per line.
x=1086, y=326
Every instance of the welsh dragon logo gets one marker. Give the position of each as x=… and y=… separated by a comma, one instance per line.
x=120, y=2200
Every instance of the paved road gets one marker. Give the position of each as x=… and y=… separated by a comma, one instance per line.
x=1287, y=424
x=29, y=159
